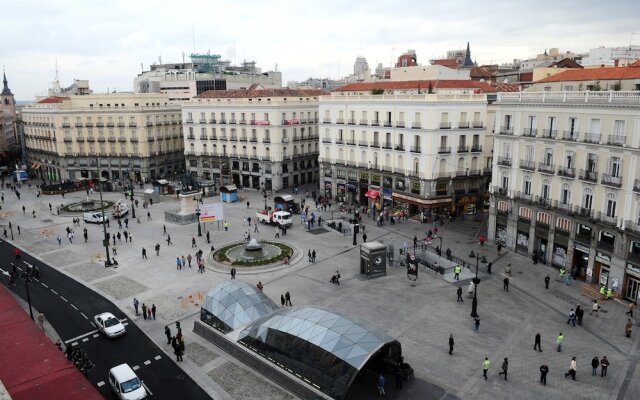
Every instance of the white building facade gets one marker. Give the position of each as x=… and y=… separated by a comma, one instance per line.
x=564, y=183
x=423, y=153
x=256, y=138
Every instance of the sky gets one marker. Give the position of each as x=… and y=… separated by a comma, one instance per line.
x=106, y=42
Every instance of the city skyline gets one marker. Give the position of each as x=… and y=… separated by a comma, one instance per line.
x=107, y=47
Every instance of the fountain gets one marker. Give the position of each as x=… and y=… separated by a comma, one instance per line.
x=254, y=252
x=253, y=247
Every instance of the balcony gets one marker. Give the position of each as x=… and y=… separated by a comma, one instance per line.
x=133, y=124
x=351, y=142
x=609, y=219
x=632, y=226
x=400, y=124
x=474, y=172
x=591, y=138
x=567, y=172
x=213, y=137
x=242, y=122
x=67, y=139
x=528, y=165
x=244, y=138
x=191, y=137
x=476, y=148
x=89, y=124
x=549, y=133
x=222, y=121
x=588, y=176
x=387, y=146
x=234, y=138
x=636, y=185
x=120, y=124
x=529, y=132
x=78, y=125
x=416, y=149
x=91, y=139
x=351, y=121
x=562, y=206
x=500, y=191
x=546, y=168
x=416, y=125
x=569, y=135
x=478, y=124
x=463, y=149
x=400, y=148
x=66, y=125
x=253, y=139
x=99, y=124
x=326, y=140
x=340, y=121
x=615, y=140
x=388, y=124
x=460, y=174
x=112, y=138
x=110, y=125
x=363, y=122
x=326, y=120
x=80, y=139
x=363, y=143
x=133, y=139
x=523, y=196
x=610, y=180
x=375, y=143
x=266, y=140
x=340, y=141
x=504, y=161
x=122, y=139
x=543, y=201
x=463, y=125
x=442, y=175
x=444, y=150
x=583, y=212
x=505, y=130
x=375, y=122
x=445, y=125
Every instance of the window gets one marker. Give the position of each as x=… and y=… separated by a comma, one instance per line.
x=443, y=141
x=548, y=156
x=545, y=190
x=573, y=126
x=526, y=186
x=505, y=181
x=614, y=167
x=618, y=128
x=610, y=204
x=529, y=153
x=506, y=149
x=552, y=123
x=565, y=194
x=569, y=158
x=595, y=126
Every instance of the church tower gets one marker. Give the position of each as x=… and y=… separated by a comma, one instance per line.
x=7, y=102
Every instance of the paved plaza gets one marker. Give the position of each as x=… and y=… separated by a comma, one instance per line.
x=420, y=315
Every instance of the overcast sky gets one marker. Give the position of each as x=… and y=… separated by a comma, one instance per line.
x=106, y=41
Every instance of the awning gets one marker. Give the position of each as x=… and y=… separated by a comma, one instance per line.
x=420, y=201
x=372, y=194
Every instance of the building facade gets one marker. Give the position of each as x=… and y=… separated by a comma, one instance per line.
x=258, y=138
x=564, y=183
x=133, y=136
x=8, y=119
x=424, y=153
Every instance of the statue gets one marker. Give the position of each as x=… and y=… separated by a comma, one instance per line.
x=189, y=183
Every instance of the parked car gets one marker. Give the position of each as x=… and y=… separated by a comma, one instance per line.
x=108, y=324
x=126, y=384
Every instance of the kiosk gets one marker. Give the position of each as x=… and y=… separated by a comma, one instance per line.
x=373, y=259
x=229, y=193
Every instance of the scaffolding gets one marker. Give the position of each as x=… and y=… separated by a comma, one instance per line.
x=205, y=63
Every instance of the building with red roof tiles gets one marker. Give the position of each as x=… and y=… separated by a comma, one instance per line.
x=416, y=87
x=603, y=78
x=53, y=100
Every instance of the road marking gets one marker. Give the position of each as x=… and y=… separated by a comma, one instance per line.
x=85, y=340
x=123, y=319
x=100, y=384
x=66, y=301
x=74, y=307
x=95, y=335
x=44, y=285
x=135, y=367
x=125, y=323
x=157, y=358
x=146, y=387
x=54, y=292
x=74, y=343
x=147, y=362
x=85, y=317
x=80, y=337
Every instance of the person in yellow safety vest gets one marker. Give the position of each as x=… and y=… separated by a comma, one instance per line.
x=456, y=272
x=609, y=294
x=602, y=292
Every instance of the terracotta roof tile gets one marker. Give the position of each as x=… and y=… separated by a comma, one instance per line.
x=256, y=91
x=590, y=74
x=478, y=72
x=507, y=87
x=423, y=85
x=53, y=99
x=635, y=64
x=446, y=62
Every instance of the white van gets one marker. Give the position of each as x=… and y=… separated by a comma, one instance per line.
x=125, y=383
x=94, y=217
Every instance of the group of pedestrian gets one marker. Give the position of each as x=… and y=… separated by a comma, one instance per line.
x=147, y=312
x=311, y=254
x=285, y=299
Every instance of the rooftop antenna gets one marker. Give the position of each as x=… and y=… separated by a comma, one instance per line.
x=276, y=68
x=56, y=70
x=141, y=67
x=193, y=37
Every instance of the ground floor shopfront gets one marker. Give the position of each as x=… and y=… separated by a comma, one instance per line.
x=592, y=251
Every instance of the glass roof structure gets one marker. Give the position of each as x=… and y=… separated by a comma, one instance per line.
x=233, y=304
x=323, y=347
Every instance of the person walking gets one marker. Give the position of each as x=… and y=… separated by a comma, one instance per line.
x=278, y=233
x=148, y=216
x=505, y=284
x=537, y=341
x=364, y=237
x=135, y=305
x=119, y=236
x=167, y=332
x=149, y=313
x=119, y=224
x=505, y=367
x=59, y=240
x=287, y=298
x=572, y=317
x=544, y=370
x=282, y=300
x=177, y=350
x=579, y=314
x=144, y=311
x=628, y=327
x=193, y=242
x=477, y=324
x=208, y=238
x=144, y=253
x=485, y=367
x=594, y=366
x=459, y=293
x=451, y=344
x=456, y=272
x=153, y=311
x=85, y=234
x=226, y=226
x=381, y=383
x=631, y=307
x=164, y=230
x=595, y=308
x=572, y=369
x=604, y=364
x=184, y=262
x=255, y=230
x=260, y=286
x=189, y=258
x=131, y=238
x=313, y=255
x=233, y=273
x=547, y=279
x=41, y=318
x=169, y=243
x=309, y=254
x=157, y=249
x=559, y=341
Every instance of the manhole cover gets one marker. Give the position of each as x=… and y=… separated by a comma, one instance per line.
x=47, y=220
x=518, y=272
x=318, y=231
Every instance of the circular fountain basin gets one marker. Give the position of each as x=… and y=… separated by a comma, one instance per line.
x=85, y=206
x=248, y=252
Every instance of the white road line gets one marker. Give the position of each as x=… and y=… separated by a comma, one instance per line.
x=66, y=301
x=44, y=285
x=125, y=323
x=80, y=337
x=92, y=324
x=147, y=362
x=123, y=319
x=74, y=343
x=157, y=358
x=100, y=384
x=95, y=335
x=85, y=317
x=85, y=340
x=74, y=307
x=135, y=367
x=146, y=387
x=53, y=291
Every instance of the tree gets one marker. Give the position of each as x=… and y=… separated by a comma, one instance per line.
x=376, y=91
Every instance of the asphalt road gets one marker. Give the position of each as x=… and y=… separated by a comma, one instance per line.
x=70, y=307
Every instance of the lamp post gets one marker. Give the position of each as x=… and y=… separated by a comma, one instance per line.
x=11, y=229
x=476, y=281
x=198, y=220
x=264, y=194
x=133, y=208
x=27, y=279
x=107, y=263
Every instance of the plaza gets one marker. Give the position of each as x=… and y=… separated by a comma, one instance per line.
x=420, y=315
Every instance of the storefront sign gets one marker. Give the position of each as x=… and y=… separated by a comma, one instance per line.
x=633, y=268
x=614, y=283
x=604, y=276
x=364, y=177
x=589, y=272
x=327, y=184
x=602, y=256
x=559, y=256
x=386, y=194
x=582, y=248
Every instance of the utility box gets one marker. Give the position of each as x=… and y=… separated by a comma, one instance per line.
x=373, y=259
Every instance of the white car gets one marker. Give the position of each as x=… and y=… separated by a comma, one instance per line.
x=126, y=384
x=108, y=324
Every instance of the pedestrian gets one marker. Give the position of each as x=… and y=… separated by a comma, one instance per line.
x=178, y=351
x=594, y=366
x=24, y=210
x=489, y=267
x=278, y=233
x=604, y=364
x=167, y=332
x=149, y=313
x=399, y=378
x=135, y=305
x=456, y=272
x=114, y=238
x=595, y=308
x=631, y=307
x=144, y=311
x=628, y=327
x=178, y=263
x=459, y=293
x=477, y=324
x=131, y=238
x=59, y=240
x=260, y=286
x=485, y=367
x=164, y=230
x=287, y=298
x=313, y=255
x=157, y=249
x=505, y=367
x=138, y=219
x=183, y=262
x=41, y=318
x=189, y=258
x=208, y=238
x=499, y=248
x=544, y=370
x=114, y=250
x=70, y=237
x=193, y=242
x=309, y=254
x=85, y=234
x=169, y=240
x=144, y=253
x=381, y=383
x=255, y=229
x=120, y=236
x=451, y=344
x=226, y=226
x=572, y=317
x=153, y=311
x=126, y=223
x=536, y=343
x=119, y=224
x=364, y=237
x=559, y=342
x=572, y=369
x=579, y=314
x=148, y=216
x=233, y=273
x=282, y=300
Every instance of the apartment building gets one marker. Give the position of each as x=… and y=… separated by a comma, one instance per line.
x=564, y=183
x=132, y=136
x=258, y=138
x=592, y=79
x=425, y=153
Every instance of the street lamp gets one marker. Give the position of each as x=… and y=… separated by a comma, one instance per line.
x=27, y=279
x=264, y=194
x=107, y=263
x=133, y=208
x=11, y=229
x=476, y=281
x=198, y=216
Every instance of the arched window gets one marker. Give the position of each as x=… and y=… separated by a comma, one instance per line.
x=474, y=163
x=387, y=160
x=460, y=165
x=442, y=167
x=352, y=155
x=340, y=156
x=587, y=198
x=363, y=156
x=565, y=194
x=545, y=190
x=526, y=185
x=610, y=205
x=400, y=162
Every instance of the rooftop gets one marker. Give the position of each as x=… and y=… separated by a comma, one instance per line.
x=257, y=91
x=593, y=74
x=422, y=84
x=602, y=98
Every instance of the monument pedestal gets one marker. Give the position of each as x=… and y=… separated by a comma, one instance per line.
x=187, y=212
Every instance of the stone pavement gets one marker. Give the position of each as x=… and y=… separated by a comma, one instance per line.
x=421, y=314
